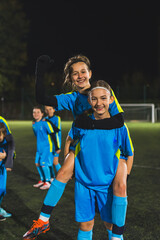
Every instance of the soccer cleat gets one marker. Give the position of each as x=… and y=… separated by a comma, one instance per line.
x=39, y=184
x=4, y=213
x=45, y=186
x=2, y=218
x=37, y=228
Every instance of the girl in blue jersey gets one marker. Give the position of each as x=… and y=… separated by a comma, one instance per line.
x=6, y=161
x=78, y=74
x=43, y=131
x=56, y=124
x=97, y=156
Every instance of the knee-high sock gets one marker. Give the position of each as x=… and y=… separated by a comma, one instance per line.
x=41, y=174
x=82, y=235
x=119, y=210
x=57, y=167
x=53, y=196
x=46, y=172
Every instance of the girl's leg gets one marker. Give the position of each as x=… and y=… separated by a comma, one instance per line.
x=57, y=187
x=119, y=205
x=53, y=196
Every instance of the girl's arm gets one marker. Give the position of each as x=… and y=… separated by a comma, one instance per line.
x=68, y=142
x=11, y=149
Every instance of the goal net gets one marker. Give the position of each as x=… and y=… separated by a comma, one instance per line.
x=157, y=114
x=139, y=112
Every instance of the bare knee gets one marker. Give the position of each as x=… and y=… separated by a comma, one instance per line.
x=87, y=226
x=119, y=188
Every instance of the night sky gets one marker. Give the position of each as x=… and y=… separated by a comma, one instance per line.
x=116, y=39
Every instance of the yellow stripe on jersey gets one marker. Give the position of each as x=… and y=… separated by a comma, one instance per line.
x=118, y=153
x=49, y=137
x=132, y=148
x=59, y=127
x=78, y=149
x=50, y=143
x=117, y=103
x=67, y=93
x=4, y=120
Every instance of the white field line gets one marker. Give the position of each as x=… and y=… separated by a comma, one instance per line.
x=147, y=167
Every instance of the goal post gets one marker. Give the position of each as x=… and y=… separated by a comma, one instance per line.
x=139, y=112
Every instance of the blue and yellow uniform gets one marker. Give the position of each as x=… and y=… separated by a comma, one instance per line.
x=3, y=171
x=96, y=160
x=56, y=121
x=78, y=103
x=45, y=146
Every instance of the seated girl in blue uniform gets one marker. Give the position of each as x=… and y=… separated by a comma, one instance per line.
x=44, y=133
x=6, y=162
x=97, y=156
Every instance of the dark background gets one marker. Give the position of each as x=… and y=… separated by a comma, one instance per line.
x=117, y=39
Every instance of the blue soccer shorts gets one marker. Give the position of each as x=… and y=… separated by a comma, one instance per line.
x=88, y=201
x=44, y=159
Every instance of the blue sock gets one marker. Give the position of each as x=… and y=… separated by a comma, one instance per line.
x=52, y=171
x=82, y=235
x=46, y=172
x=109, y=234
x=57, y=167
x=53, y=196
x=119, y=210
x=41, y=174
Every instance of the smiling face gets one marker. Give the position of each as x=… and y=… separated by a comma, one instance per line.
x=100, y=99
x=80, y=76
x=49, y=111
x=37, y=114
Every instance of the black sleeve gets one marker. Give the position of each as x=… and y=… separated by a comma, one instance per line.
x=85, y=122
x=42, y=65
x=11, y=149
x=53, y=136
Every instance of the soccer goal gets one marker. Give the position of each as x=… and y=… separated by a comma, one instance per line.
x=139, y=112
x=157, y=114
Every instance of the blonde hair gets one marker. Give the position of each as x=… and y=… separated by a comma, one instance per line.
x=68, y=67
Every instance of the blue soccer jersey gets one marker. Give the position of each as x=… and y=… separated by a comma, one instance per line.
x=42, y=131
x=78, y=103
x=97, y=155
x=3, y=172
x=56, y=120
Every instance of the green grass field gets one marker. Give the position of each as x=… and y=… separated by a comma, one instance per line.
x=24, y=201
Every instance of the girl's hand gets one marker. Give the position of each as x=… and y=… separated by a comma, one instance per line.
x=8, y=169
x=3, y=155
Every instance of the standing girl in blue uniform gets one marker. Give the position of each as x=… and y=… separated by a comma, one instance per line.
x=44, y=133
x=56, y=124
x=78, y=74
x=96, y=161
x=6, y=161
